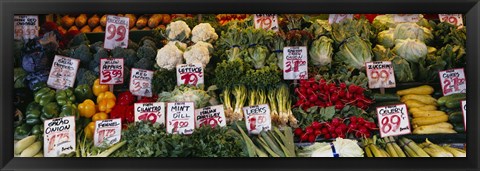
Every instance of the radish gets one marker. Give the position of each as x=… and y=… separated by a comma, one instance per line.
x=316, y=125
x=311, y=138
x=309, y=130
x=334, y=135
x=298, y=132
x=327, y=136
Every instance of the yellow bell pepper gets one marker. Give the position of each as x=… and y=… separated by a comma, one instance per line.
x=89, y=130
x=98, y=88
x=106, y=105
x=99, y=116
x=87, y=108
x=106, y=95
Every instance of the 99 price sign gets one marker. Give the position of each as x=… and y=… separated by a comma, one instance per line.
x=455, y=19
x=295, y=63
x=393, y=120
x=266, y=21
x=116, y=32
x=453, y=81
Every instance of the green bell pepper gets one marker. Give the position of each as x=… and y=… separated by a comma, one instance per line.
x=22, y=131
x=44, y=96
x=33, y=112
x=37, y=129
x=64, y=97
x=70, y=110
x=39, y=85
x=51, y=110
x=83, y=92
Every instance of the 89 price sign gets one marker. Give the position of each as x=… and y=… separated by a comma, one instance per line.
x=453, y=81
x=295, y=63
x=116, y=32
x=266, y=21
x=393, y=120
x=455, y=19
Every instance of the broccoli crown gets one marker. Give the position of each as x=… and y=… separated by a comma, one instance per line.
x=82, y=53
x=126, y=80
x=118, y=52
x=79, y=39
x=144, y=63
x=96, y=46
x=130, y=58
x=132, y=45
x=94, y=66
x=101, y=53
x=148, y=41
x=146, y=52
x=85, y=76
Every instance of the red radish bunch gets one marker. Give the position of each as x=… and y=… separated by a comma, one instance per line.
x=325, y=94
x=359, y=127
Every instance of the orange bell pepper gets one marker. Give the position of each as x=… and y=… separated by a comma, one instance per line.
x=98, y=88
x=106, y=95
x=99, y=116
x=87, y=108
x=89, y=130
x=106, y=105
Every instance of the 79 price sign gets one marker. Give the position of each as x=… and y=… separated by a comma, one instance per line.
x=266, y=21
x=116, y=32
x=393, y=120
x=455, y=19
x=453, y=81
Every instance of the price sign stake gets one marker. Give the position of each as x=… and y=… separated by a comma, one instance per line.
x=266, y=21
x=453, y=81
x=59, y=136
x=257, y=118
x=295, y=63
x=116, y=32
x=393, y=120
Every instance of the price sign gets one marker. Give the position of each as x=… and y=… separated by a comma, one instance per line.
x=63, y=72
x=141, y=82
x=111, y=71
x=25, y=26
x=455, y=19
x=295, y=63
x=107, y=132
x=190, y=74
x=153, y=112
x=453, y=81
x=212, y=116
x=266, y=21
x=464, y=111
x=257, y=118
x=380, y=74
x=393, y=120
x=336, y=18
x=116, y=32
x=59, y=136
x=180, y=118
x=401, y=18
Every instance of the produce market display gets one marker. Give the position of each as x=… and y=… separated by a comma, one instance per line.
x=241, y=85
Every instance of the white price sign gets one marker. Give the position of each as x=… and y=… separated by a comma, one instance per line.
x=212, y=116
x=25, y=26
x=116, y=32
x=180, y=118
x=455, y=19
x=111, y=71
x=464, y=111
x=190, y=74
x=266, y=21
x=107, y=132
x=63, y=72
x=153, y=112
x=295, y=63
x=380, y=74
x=336, y=18
x=393, y=120
x=401, y=18
x=453, y=81
x=141, y=82
x=257, y=118
x=59, y=136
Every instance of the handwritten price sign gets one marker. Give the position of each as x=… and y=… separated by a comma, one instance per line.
x=455, y=19
x=266, y=21
x=141, y=82
x=453, y=81
x=111, y=71
x=393, y=120
x=153, y=112
x=464, y=111
x=107, y=132
x=257, y=118
x=63, y=72
x=25, y=27
x=212, y=116
x=59, y=136
x=116, y=32
x=401, y=18
x=180, y=118
x=190, y=74
x=336, y=18
x=380, y=74
x=295, y=63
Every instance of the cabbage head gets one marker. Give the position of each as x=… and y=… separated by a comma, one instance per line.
x=412, y=50
x=386, y=39
x=409, y=31
x=321, y=51
x=355, y=52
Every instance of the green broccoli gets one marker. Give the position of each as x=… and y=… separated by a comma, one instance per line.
x=82, y=53
x=132, y=45
x=130, y=58
x=85, y=76
x=79, y=39
x=148, y=41
x=101, y=53
x=164, y=80
x=94, y=66
x=118, y=52
x=144, y=63
x=146, y=52
x=96, y=46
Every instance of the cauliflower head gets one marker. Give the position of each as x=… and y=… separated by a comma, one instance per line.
x=169, y=56
x=178, y=30
x=198, y=53
x=204, y=32
x=180, y=45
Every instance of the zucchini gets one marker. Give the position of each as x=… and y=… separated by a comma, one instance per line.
x=32, y=150
x=426, y=99
x=453, y=103
x=421, y=90
x=459, y=96
x=459, y=127
x=24, y=143
x=429, y=120
x=455, y=117
x=385, y=97
x=414, y=103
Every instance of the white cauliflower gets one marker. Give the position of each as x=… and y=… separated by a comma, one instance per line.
x=178, y=30
x=204, y=32
x=198, y=53
x=180, y=45
x=169, y=57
